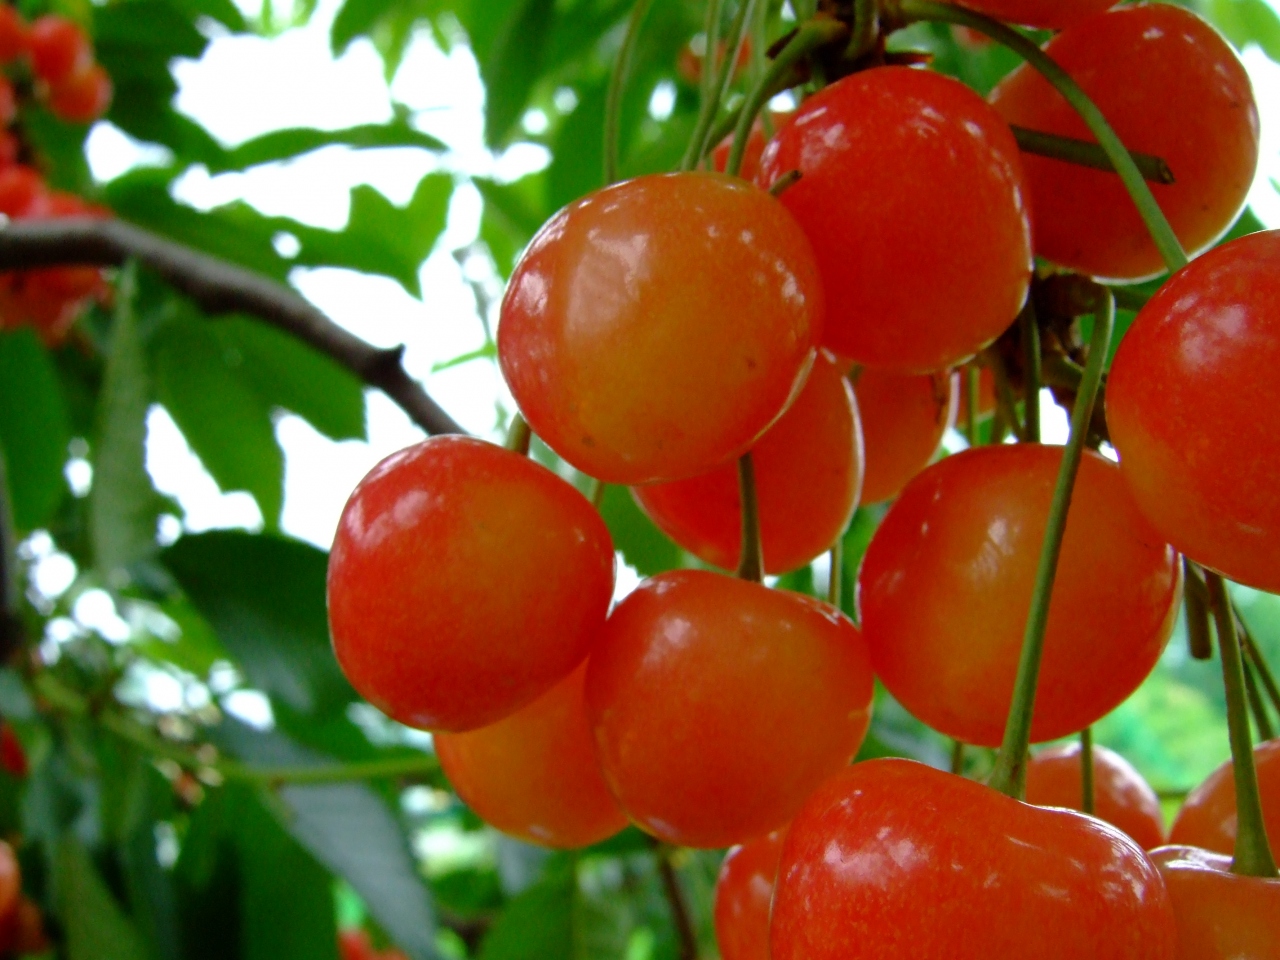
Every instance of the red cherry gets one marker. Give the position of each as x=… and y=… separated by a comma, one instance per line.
x=9, y=148
x=892, y=859
x=13, y=33
x=534, y=774
x=59, y=49
x=1208, y=815
x=1182, y=406
x=654, y=329
x=1170, y=85
x=755, y=147
x=12, y=755
x=903, y=419
x=1220, y=915
x=911, y=193
x=22, y=191
x=82, y=97
x=945, y=588
x=354, y=944
x=1121, y=796
x=808, y=471
x=744, y=891
x=464, y=582
x=8, y=102
x=1045, y=14
x=719, y=704
x=10, y=882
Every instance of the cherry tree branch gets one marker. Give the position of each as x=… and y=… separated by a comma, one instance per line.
x=219, y=287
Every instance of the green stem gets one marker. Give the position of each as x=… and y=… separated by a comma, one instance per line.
x=1127, y=298
x=1195, y=600
x=751, y=566
x=866, y=27
x=1085, y=153
x=741, y=27
x=1165, y=240
x=808, y=38
x=1088, y=800
x=836, y=581
x=1005, y=402
x=1259, y=663
x=1253, y=854
x=595, y=493
x=1261, y=721
x=617, y=83
x=784, y=183
x=1031, y=375
x=957, y=758
x=1010, y=772
x=971, y=402
x=519, y=436
x=681, y=919
x=709, y=105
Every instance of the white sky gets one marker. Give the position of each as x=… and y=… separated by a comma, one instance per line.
x=246, y=86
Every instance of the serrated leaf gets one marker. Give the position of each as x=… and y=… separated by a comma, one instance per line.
x=285, y=144
x=264, y=596
x=227, y=423
x=122, y=503
x=96, y=928
x=33, y=428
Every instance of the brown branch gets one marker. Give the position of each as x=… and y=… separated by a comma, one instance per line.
x=219, y=287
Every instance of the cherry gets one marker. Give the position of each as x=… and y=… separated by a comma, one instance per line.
x=946, y=582
x=1121, y=796
x=1045, y=14
x=465, y=581
x=911, y=192
x=808, y=471
x=22, y=191
x=10, y=881
x=534, y=774
x=8, y=102
x=13, y=33
x=1220, y=915
x=654, y=329
x=354, y=944
x=719, y=704
x=1208, y=815
x=59, y=49
x=12, y=755
x=82, y=97
x=903, y=420
x=744, y=891
x=1183, y=403
x=892, y=859
x=1170, y=85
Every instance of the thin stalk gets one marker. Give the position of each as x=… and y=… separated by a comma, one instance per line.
x=519, y=436
x=1031, y=375
x=1253, y=854
x=1010, y=774
x=866, y=27
x=1084, y=153
x=1261, y=721
x=709, y=104
x=741, y=27
x=617, y=83
x=1259, y=663
x=971, y=402
x=1005, y=402
x=751, y=566
x=836, y=582
x=1127, y=298
x=1088, y=799
x=1195, y=600
x=957, y=758
x=680, y=917
x=784, y=183
x=595, y=493
x=808, y=38
x=1166, y=240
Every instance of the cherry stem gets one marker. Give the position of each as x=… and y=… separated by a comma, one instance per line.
x=1253, y=854
x=1088, y=798
x=784, y=183
x=1259, y=662
x=971, y=401
x=1261, y=720
x=519, y=435
x=709, y=105
x=751, y=564
x=1032, y=377
x=807, y=38
x=836, y=581
x=701, y=142
x=617, y=84
x=596, y=492
x=1195, y=601
x=1085, y=153
x=1166, y=240
x=680, y=917
x=1005, y=402
x=1010, y=773
x=866, y=27
x=957, y=757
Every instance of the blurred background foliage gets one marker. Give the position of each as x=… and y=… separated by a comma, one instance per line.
x=158, y=829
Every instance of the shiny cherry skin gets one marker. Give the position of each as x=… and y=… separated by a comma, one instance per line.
x=654, y=329
x=1182, y=404
x=808, y=471
x=744, y=891
x=82, y=97
x=1043, y=14
x=892, y=859
x=911, y=192
x=1208, y=815
x=903, y=419
x=534, y=774
x=945, y=588
x=59, y=49
x=1170, y=85
x=1220, y=915
x=719, y=704
x=1122, y=796
x=464, y=582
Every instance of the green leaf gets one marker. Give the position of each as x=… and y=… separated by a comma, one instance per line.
x=264, y=596
x=538, y=924
x=577, y=153
x=643, y=545
x=1245, y=22
x=145, y=29
x=224, y=11
x=224, y=419
x=284, y=144
x=96, y=928
x=188, y=643
x=33, y=429
x=356, y=18
x=511, y=61
x=123, y=506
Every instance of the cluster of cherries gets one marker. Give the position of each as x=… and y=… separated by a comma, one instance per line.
x=659, y=329
x=49, y=60
x=21, y=922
